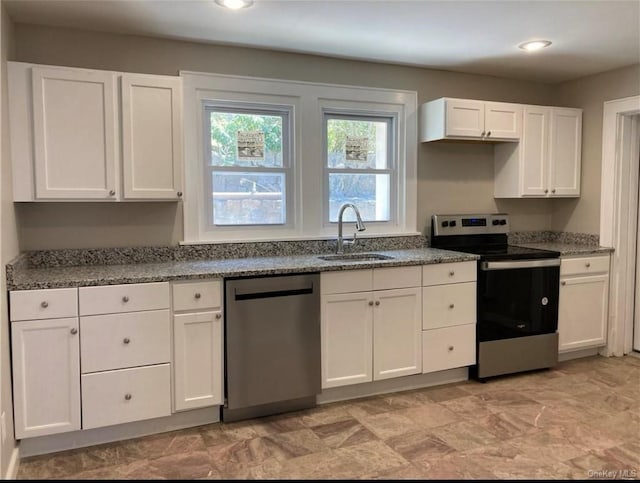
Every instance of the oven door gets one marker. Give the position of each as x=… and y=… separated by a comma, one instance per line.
x=517, y=298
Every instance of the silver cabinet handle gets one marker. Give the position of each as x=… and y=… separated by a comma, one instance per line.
x=377, y=302
x=125, y=299
x=74, y=331
x=451, y=306
x=179, y=193
x=370, y=302
x=482, y=133
x=112, y=192
x=546, y=191
x=197, y=295
x=44, y=304
x=553, y=190
x=450, y=348
x=126, y=340
x=588, y=265
x=563, y=283
x=489, y=133
x=452, y=273
x=127, y=397
x=218, y=316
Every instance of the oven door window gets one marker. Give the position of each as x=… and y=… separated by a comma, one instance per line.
x=517, y=302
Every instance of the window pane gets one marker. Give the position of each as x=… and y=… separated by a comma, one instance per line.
x=248, y=199
x=369, y=192
x=241, y=139
x=357, y=143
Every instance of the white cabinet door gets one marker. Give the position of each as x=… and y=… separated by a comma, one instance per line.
x=464, y=118
x=503, y=120
x=151, y=137
x=582, y=312
x=347, y=324
x=397, y=333
x=534, y=145
x=74, y=122
x=46, y=376
x=565, y=152
x=197, y=364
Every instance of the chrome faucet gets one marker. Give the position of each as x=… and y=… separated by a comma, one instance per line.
x=359, y=226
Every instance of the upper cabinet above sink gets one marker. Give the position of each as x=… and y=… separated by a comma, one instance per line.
x=94, y=135
x=470, y=120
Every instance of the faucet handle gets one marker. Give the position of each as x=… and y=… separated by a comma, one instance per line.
x=352, y=241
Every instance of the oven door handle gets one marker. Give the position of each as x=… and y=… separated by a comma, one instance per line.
x=550, y=262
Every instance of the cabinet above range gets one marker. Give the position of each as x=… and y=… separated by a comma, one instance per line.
x=94, y=135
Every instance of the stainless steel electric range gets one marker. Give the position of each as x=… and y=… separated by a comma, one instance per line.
x=517, y=294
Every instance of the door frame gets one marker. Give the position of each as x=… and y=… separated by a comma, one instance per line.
x=618, y=216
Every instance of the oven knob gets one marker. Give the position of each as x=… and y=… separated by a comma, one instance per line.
x=503, y=222
x=445, y=224
x=452, y=223
x=495, y=222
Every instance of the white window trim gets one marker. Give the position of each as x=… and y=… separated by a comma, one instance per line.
x=307, y=101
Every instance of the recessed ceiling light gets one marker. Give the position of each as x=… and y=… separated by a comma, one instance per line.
x=235, y=4
x=534, y=45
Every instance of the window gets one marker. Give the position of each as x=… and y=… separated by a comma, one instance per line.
x=248, y=169
x=273, y=159
x=359, y=166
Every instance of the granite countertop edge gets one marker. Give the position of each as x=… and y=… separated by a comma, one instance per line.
x=21, y=278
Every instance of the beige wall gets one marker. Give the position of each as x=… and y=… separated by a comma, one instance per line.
x=8, y=242
x=589, y=93
x=452, y=177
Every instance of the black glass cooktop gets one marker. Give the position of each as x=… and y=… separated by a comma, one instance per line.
x=506, y=252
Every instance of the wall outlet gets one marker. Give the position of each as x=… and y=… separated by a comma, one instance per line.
x=3, y=426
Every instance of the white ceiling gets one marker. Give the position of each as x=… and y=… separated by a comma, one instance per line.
x=469, y=36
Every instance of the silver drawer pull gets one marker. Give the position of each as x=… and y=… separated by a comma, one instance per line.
x=377, y=302
x=450, y=348
x=553, y=190
x=127, y=397
x=179, y=193
x=546, y=191
x=370, y=302
x=74, y=331
x=563, y=283
x=218, y=316
x=112, y=192
x=126, y=340
x=451, y=306
x=489, y=133
x=125, y=299
x=44, y=304
x=482, y=133
x=452, y=273
x=588, y=265
x=197, y=295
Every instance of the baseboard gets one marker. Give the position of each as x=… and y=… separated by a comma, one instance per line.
x=406, y=383
x=109, y=434
x=578, y=354
x=14, y=463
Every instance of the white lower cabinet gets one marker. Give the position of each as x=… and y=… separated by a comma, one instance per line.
x=46, y=376
x=371, y=335
x=583, y=302
x=125, y=395
x=198, y=341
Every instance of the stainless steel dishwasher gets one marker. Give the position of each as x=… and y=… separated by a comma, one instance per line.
x=272, y=340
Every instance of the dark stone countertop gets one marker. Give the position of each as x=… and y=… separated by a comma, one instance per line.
x=21, y=278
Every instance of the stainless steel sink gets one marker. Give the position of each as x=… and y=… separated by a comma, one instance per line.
x=355, y=257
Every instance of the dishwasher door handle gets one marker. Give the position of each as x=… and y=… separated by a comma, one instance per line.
x=265, y=294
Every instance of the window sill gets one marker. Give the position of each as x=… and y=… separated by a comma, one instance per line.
x=295, y=238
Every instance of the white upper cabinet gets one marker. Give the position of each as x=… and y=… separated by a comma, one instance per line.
x=546, y=163
x=151, y=137
x=74, y=137
x=466, y=119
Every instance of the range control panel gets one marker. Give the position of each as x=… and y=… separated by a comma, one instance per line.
x=470, y=224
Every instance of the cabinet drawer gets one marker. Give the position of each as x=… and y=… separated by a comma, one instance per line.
x=346, y=281
x=117, y=341
x=197, y=296
x=397, y=277
x=448, y=305
x=448, y=348
x=440, y=273
x=584, y=265
x=113, y=299
x=43, y=304
x=116, y=397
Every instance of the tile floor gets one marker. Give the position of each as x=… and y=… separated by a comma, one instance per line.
x=579, y=420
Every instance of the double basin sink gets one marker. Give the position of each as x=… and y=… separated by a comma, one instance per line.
x=355, y=257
